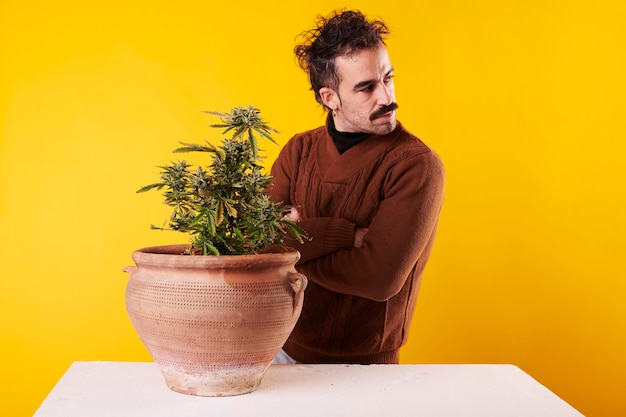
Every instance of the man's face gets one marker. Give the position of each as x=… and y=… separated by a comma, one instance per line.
x=365, y=100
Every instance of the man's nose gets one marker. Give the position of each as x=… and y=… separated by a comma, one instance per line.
x=385, y=95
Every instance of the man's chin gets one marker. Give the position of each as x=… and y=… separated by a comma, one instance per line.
x=384, y=126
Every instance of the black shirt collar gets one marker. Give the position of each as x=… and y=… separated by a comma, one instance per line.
x=344, y=140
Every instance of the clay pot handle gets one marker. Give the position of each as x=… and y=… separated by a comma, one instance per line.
x=130, y=269
x=298, y=283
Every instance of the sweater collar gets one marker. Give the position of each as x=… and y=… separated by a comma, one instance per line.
x=332, y=163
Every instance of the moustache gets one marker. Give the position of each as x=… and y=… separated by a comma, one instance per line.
x=383, y=110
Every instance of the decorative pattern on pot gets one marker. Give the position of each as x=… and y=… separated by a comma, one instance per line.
x=213, y=323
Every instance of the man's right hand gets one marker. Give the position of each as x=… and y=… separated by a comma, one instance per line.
x=293, y=215
x=359, y=234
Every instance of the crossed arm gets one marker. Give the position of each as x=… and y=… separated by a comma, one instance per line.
x=374, y=262
x=359, y=232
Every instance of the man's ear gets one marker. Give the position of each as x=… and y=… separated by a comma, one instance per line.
x=329, y=98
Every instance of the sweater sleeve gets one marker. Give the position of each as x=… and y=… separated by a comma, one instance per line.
x=326, y=235
x=398, y=236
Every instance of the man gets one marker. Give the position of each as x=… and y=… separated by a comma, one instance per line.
x=367, y=192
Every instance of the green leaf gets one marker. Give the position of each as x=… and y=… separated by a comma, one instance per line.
x=194, y=147
x=253, y=143
x=201, y=215
x=266, y=135
x=209, y=248
x=240, y=130
x=219, y=213
x=212, y=226
x=298, y=233
x=157, y=185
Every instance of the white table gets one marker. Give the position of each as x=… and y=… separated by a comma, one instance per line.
x=137, y=389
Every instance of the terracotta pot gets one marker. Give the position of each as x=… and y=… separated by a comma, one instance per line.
x=213, y=323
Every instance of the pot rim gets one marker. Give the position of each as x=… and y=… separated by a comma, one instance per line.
x=173, y=255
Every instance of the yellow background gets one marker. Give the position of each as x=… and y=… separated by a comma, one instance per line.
x=523, y=100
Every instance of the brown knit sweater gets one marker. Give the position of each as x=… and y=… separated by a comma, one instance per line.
x=360, y=301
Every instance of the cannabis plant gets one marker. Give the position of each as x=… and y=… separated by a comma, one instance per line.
x=223, y=206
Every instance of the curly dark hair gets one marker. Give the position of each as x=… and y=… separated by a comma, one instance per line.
x=340, y=33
